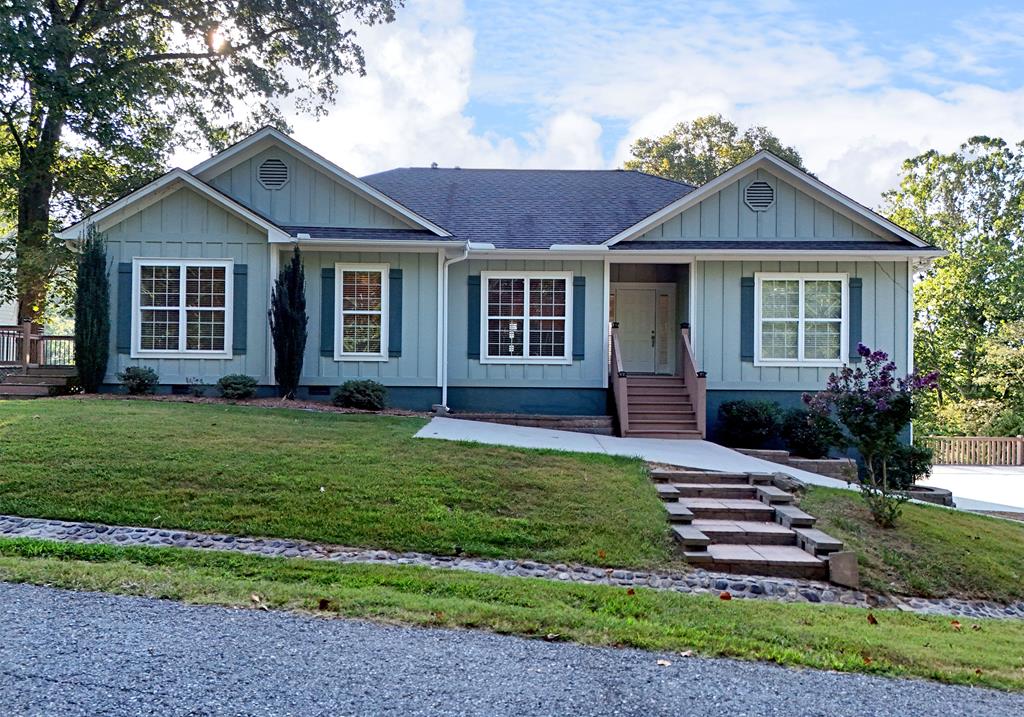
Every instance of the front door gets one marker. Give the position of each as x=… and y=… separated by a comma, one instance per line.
x=637, y=328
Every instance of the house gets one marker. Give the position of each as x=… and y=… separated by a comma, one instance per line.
x=509, y=290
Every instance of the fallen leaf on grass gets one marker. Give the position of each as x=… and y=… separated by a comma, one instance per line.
x=725, y=595
x=664, y=663
x=552, y=636
x=977, y=671
x=257, y=601
x=955, y=624
x=601, y=555
x=872, y=620
x=867, y=660
x=686, y=653
x=631, y=591
x=976, y=627
x=324, y=603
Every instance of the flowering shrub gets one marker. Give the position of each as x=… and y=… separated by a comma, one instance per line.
x=874, y=407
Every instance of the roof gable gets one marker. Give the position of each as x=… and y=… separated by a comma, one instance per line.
x=805, y=208
x=370, y=206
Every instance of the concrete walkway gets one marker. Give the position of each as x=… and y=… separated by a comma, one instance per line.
x=989, y=488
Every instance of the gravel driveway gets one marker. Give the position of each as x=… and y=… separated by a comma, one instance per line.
x=73, y=653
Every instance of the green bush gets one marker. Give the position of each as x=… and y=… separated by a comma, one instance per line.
x=237, y=386
x=810, y=435
x=748, y=424
x=139, y=380
x=971, y=417
x=362, y=393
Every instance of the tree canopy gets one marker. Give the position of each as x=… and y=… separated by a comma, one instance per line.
x=970, y=304
x=698, y=151
x=95, y=94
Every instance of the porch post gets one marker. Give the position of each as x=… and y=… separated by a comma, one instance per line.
x=26, y=344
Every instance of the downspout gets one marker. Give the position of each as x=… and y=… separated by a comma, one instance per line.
x=443, y=407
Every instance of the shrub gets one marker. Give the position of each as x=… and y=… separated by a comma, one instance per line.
x=139, y=380
x=196, y=386
x=237, y=386
x=363, y=393
x=288, y=324
x=874, y=408
x=748, y=424
x=92, y=313
x=810, y=435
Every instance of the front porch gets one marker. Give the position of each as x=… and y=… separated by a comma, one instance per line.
x=657, y=387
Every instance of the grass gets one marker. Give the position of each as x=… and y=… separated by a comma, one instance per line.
x=359, y=480
x=836, y=638
x=932, y=552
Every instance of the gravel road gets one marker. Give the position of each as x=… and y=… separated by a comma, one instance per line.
x=73, y=653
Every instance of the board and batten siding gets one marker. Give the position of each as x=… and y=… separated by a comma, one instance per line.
x=586, y=373
x=310, y=198
x=417, y=366
x=186, y=225
x=794, y=215
x=717, y=324
x=8, y=314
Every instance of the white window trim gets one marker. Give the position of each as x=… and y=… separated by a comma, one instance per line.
x=229, y=309
x=566, y=358
x=385, y=280
x=844, y=332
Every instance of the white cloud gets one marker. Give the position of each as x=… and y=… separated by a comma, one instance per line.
x=566, y=72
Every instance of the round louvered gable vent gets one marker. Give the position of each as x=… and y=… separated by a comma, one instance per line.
x=759, y=195
x=272, y=173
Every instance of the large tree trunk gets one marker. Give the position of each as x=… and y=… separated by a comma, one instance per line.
x=35, y=256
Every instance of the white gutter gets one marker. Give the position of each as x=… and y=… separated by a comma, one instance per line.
x=443, y=408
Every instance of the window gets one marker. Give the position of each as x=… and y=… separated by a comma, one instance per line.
x=181, y=307
x=361, y=295
x=801, y=319
x=525, y=317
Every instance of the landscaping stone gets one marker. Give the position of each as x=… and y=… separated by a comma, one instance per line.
x=695, y=582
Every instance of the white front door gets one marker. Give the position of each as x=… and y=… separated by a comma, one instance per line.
x=637, y=333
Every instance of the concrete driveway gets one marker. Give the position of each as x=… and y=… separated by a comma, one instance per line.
x=991, y=488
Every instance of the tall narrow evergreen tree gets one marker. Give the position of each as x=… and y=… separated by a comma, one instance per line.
x=288, y=324
x=92, y=312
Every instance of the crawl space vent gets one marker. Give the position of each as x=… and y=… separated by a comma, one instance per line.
x=759, y=196
x=272, y=173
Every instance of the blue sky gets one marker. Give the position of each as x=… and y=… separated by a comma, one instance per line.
x=856, y=87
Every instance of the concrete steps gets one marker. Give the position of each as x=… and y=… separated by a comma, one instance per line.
x=742, y=523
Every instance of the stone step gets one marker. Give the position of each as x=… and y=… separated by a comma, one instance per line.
x=745, y=532
x=667, y=491
x=816, y=542
x=770, y=495
x=728, y=509
x=689, y=536
x=680, y=475
x=715, y=490
x=678, y=513
x=792, y=517
x=760, y=478
x=771, y=560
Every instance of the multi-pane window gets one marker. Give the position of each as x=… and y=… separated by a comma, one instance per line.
x=362, y=303
x=801, y=318
x=526, y=318
x=182, y=306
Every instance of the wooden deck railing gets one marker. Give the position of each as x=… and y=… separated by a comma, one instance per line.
x=976, y=450
x=23, y=346
x=620, y=387
x=696, y=380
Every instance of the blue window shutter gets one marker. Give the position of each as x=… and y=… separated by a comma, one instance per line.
x=395, y=313
x=239, y=309
x=473, y=313
x=327, y=312
x=747, y=318
x=856, y=289
x=124, y=307
x=579, y=318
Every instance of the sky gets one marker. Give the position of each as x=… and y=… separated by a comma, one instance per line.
x=855, y=87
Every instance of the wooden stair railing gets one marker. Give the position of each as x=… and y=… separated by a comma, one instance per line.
x=24, y=346
x=694, y=379
x=620, y=383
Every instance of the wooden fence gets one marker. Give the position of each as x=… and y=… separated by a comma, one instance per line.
x=976, y=450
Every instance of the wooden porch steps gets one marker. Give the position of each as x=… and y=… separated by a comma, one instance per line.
x=660, y=407
x=742, y=523
x=35, y=381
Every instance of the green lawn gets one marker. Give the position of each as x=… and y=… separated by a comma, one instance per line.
x=931, y=552
x=358, y=480
x=984, y=652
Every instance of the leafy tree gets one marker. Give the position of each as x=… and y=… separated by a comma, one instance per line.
x=971, y=203
x=92, y=313
x=698, y=151
x=123, y=81
x=288, y=324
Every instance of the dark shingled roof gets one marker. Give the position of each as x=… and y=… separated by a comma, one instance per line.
x=769, y=245
x=527, y=208
x=371, y=235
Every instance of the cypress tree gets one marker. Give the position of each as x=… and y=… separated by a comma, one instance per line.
x=288, y=324
x=92, y=312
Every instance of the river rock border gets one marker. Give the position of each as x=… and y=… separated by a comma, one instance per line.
x=696, y=582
